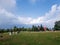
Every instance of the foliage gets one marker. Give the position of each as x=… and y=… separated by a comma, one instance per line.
x=41, y=28
x=34, y=28
x=15, y=28
x=57, y=25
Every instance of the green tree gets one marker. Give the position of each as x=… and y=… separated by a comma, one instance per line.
x=47, y=29
x=57, y=25
x=15, y=28
x=2, y=31
x=34, y=28
x=41, y=28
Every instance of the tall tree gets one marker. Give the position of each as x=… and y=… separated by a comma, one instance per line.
x=15, y=28
x=34, y=28
x=41, y=28
x=57, y=25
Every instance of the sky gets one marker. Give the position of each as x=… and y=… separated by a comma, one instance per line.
x=29, y=12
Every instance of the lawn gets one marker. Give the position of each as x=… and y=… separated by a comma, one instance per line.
x=31, y=38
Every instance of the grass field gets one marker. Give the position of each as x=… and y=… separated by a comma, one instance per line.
x=31, y=38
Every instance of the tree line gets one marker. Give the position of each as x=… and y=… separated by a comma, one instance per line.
x=15, y=28
x=34, y=28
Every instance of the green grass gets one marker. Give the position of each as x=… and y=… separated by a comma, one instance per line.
x=31, y=38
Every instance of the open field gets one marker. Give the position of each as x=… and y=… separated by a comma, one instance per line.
x=31, y=38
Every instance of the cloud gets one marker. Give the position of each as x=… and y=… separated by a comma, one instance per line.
x=49, y=18
x=5, y=16
x=33, y=1
x=7, y=3
x=52, y=14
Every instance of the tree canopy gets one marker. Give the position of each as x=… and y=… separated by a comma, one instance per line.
x=57, y=25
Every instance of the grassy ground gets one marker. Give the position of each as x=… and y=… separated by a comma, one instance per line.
x=31, y=38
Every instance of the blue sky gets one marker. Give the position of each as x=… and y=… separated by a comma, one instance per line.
x=37, y=8
x=29, y=12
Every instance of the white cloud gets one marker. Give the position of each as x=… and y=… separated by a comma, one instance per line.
x=5, y=16
x=37, y=20
x=48, y=19
x=8, y=4
x=53, y=15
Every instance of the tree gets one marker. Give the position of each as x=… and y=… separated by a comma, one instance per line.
x=38, y=28
x=2, y=31
x=7, y=30
x=57, y=25
x=41, y=28
x=34, y=28
x=47, y=29
x=15, y=28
